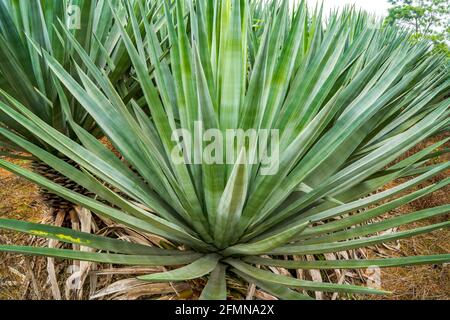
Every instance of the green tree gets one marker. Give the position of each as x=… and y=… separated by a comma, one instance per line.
x=427, y=19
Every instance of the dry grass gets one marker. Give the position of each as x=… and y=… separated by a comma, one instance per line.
x=19, y=199
x=419, y=282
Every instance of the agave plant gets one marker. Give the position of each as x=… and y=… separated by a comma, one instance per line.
x=345, y=97
x=27, y=28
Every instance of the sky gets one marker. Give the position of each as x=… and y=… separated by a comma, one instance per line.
x=379, y=7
